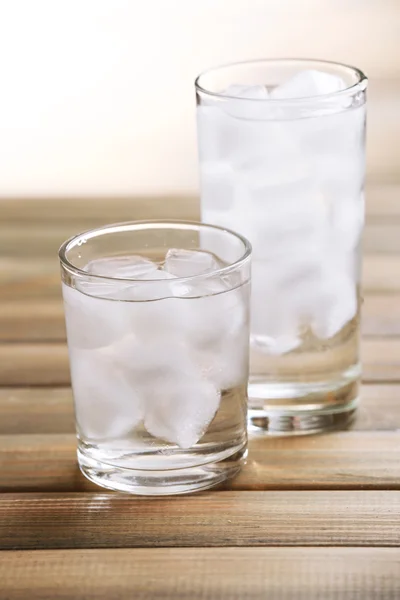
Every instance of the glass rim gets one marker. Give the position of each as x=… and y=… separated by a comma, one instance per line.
x=359, y=85
x=149, y=224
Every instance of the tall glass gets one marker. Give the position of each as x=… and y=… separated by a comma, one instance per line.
x=157, y=317
x=282, y=160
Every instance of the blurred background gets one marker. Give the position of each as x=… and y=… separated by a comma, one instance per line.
x=97, y=96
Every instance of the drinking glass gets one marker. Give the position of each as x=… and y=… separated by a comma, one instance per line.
x=157, y=317
x=282, y=161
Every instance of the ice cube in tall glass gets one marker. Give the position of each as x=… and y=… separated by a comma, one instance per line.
x=282, y=160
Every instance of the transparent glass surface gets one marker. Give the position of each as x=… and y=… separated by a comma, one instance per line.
x=157, y=317
x=282, y=161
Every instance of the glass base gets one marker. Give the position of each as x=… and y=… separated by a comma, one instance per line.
x=161, y=483
x=300, y=409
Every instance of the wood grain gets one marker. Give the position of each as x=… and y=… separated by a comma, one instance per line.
x=25, y=235
x=32, y=320
x=71, y=215
x=381, y=238
x=349, y=460
x=29, y=278
x=47, y=363
x=199, y=573
x=43, y=320
x=36, y=410
x=381, y=274
x=50, y=410
x=381, y=315
x=381, y=359
x=34, y=364
x=39, y=279
x=379, y=408
x=382, y=201
x=383, y=128
x=97, y=520
x=27, y=241
x=86, y=213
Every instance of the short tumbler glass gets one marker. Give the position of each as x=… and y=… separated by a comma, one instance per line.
x=157, y=317
x=282, y=161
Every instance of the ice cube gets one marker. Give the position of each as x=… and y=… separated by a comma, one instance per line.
x=285, y=219
x=333, y=147
x=336, y=306
x=155, y=286
x=217, y=185
x=185, y=263
x=347, y=221
x=147, y=354
x=213, y=131
x=247, y=102
x=275, y=319
x=178, y=402
x=121, y=267
x=225, y=362
x=106, y=403
x=251, y=92
x=308, y=83
x=93, y=322
x=133, y=268
x=181, y=409
x=152, y=286
x=280, y=344
x=212, y=311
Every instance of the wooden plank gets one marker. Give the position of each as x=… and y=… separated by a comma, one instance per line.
x=47, y=363
x=381, y=274
x=92, y=212
x=379, y=408
x=381, y=359
x=383, y=129
x=32, y=320
x=69, y=216
x=381, y=315
x=328, y=573
x=29, y=278
x=44, y=231
x=382, y=201
x=36, y=410
x=43, y=320
x=33, y=279
x=44, y=239
x=347, y=460
x=99, y=520
x=50, y=410
x=34, y=364
x=381, y=236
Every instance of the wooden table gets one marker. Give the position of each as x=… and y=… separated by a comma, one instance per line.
x=308, y=518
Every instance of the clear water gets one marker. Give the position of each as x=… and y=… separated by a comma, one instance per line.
x=139, y=450
x=294, y=187
x=161, y=384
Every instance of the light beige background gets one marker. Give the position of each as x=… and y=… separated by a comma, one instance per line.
x=97, y=95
